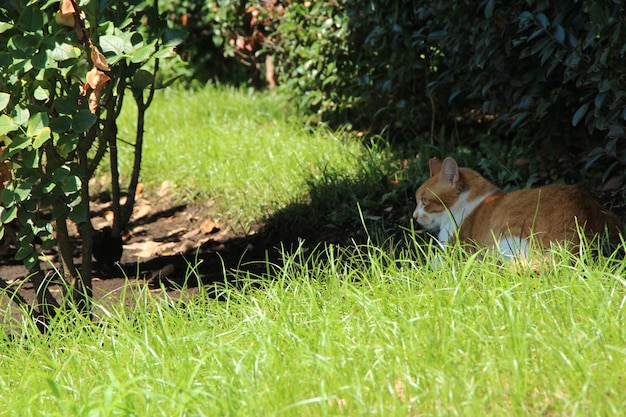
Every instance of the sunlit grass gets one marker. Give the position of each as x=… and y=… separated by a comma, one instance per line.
x=389, y=328
x=246, y=151
x=343, y=332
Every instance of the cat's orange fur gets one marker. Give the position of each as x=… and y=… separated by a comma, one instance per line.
x=459, y=202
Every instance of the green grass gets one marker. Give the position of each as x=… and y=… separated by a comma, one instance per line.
x=249, y=153
x=359, y=330
x=360, y=333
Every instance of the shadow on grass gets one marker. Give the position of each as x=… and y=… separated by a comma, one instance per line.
x=338, y=210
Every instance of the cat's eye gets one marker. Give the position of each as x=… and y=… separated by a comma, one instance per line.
x=423, y=201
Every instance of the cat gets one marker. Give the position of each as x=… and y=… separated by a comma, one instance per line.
x=459, y=203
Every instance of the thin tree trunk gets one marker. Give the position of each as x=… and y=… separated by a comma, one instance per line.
x=127, y=208
x=48, y=305
x=83, y=289
x=116, y=194
x=68, y=269
x=142, y=106
x=40, y=320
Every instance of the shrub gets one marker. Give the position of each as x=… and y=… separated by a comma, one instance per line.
x=522, y=62
x=65, y=71
x=346, y=61
x=549, y=71
x=225, y=38
x=547, y=68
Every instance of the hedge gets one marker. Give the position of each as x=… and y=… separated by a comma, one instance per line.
x=551, y=71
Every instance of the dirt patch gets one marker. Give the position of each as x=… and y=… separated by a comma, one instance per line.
x=166, y=245
x=170, y=245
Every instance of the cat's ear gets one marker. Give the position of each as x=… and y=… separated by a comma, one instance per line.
x=449, y=171
x=435, y=166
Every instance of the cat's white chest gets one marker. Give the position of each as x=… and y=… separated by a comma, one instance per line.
x=509, y=247
x=454, y=216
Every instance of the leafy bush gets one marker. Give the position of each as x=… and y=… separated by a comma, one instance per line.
x=65, y=71
x=522, y=63
x=357, y=62
x=549, y=71
x=225, y=38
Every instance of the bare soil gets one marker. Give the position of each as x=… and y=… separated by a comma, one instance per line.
x=167, y=245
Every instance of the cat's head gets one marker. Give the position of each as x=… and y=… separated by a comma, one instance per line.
x=438, y=194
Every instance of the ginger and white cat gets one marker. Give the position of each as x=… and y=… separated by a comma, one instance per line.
x=459, y=203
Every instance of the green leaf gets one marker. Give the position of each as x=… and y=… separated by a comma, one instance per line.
x=24, y=251
x=616, y=131
x=61, y=173
x=66, y=105
x=31, y=261
x=21, y=116
x=165, y=53
x=142, y=79
x=21, y=193
x=4, y=100
x=60, y=124
x=30, y=158
x=542, y=20
x=45, y=188
x=41, y=138
x=70, y=184
x=66, y=144
x=26, y=233
x=31, y=19
x=36, y=123
x=598, y=101
x=519, y=120
x=7, y=124
x=580, y=113
x=142, y=54
x=112, y=44
x=559, y=34
x=63, y=51
x=8, y=214
x=437, y=35
x=7, y=197
x=4, y=26
x=83, y=120
x=28, y=42
x=40, y=60
x=173, y=37
x=20, y=142
x=47, y=242
x=48, y=3
x=489, y=9
x=78, y=214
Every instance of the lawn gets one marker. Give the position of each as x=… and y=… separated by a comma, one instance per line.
x=249, y=153
x=358, y=333
x=373, y=329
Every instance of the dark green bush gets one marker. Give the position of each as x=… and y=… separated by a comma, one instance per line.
x=64, y=72
x=356, y=62
x=225, y=38
x=551, y=72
